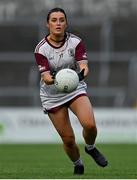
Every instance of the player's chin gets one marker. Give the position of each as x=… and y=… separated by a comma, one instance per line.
x=58, y=32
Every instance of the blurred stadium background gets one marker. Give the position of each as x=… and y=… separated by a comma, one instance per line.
x=108, y=28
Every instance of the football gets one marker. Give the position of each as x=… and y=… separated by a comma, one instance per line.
x=66, y=80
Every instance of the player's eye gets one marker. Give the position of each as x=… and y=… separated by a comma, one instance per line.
x=53, y=20
x=62, y=20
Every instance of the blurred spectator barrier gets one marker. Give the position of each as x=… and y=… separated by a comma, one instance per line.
x=30, y=125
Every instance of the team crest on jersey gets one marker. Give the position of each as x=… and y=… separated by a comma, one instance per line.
x=71, y=52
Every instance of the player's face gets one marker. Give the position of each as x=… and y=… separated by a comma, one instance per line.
x=57, y=23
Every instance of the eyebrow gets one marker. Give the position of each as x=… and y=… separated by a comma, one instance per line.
x=57, y=18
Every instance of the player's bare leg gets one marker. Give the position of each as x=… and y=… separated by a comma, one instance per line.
x=61, y=122
x=86, y=117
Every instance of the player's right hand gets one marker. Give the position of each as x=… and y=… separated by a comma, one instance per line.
x=53, y=74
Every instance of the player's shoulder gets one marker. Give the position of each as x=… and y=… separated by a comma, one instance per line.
x=74, y=39
x=73, y=36
x=41, y=44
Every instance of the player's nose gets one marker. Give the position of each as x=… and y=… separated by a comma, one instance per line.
x=58, y=22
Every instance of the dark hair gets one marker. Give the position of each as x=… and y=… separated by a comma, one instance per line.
x=57, y=9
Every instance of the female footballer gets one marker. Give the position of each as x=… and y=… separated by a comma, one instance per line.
x=58, y=50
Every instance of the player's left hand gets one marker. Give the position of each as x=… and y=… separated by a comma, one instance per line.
x=81, y=75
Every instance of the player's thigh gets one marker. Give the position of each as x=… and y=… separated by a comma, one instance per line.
x=61, y=122
x=82, y=108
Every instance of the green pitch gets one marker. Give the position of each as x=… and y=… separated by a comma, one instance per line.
x=50, y=162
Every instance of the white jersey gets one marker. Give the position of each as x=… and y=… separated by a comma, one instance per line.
x=50, y=58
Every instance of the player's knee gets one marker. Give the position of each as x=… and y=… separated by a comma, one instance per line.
x=69, y=141
x=90, y=127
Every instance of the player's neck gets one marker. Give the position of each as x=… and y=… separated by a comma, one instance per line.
x=56, y=39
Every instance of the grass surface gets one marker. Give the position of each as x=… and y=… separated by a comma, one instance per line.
x=50, y=162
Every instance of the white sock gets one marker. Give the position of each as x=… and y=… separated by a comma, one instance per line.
x=90, y=146
x=78, y=162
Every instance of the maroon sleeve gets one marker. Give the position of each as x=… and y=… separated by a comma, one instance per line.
x=80, y=53
x=42, y=62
